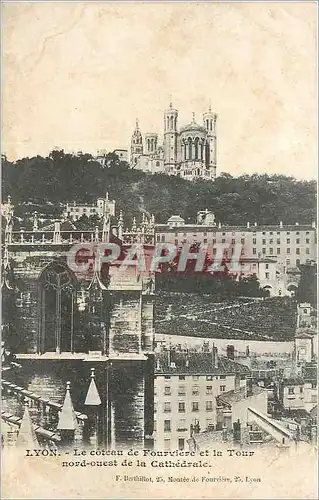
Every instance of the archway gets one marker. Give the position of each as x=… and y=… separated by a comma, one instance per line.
x=56, y=308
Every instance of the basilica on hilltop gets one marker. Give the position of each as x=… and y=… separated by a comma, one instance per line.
x=189, y=152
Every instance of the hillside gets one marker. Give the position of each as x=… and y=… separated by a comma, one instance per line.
x=200, y=316
x=63, y=177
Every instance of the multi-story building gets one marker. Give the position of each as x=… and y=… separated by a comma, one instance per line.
x=185, y=389
x=102, y=156
x=274, y=252
x=103, y=206
x=189, y=152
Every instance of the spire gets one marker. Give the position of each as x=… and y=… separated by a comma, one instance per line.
x=106, y=196
x=26, y=436
x=193, y=117
x=35, y=222
x=137, y=124
x=67, y=418
x=92, y=397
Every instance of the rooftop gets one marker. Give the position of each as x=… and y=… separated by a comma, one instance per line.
x=235, y=396
x=201, y=363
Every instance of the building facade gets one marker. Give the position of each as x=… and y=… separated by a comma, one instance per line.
x=186, y=385
x=272, y=252
x=189, y=152
x=102, y=207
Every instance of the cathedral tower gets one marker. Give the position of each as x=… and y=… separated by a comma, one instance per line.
x=136, y=145
x=210, y=119
x=170, y=140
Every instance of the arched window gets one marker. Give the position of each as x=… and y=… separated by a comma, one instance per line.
x=196, y=148
x=190, y=155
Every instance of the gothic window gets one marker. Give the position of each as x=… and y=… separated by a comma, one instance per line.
x=57, y=309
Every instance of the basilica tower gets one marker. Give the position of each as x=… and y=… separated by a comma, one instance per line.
x=136, y=145
x=210, y=119
x=170, y=140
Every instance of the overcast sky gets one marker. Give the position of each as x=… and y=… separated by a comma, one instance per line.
x=76, y=75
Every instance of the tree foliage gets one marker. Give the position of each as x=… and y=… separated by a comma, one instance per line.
x=61, y=178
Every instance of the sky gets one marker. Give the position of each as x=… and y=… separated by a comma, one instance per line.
x=77, y=75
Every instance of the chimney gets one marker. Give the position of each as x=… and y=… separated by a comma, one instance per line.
x=230, y=352
x=215, y=357
x=237, y=382
x=249, y=387
x=280, y=223
x=255, y=224
x=248, y=224
x=297, y=224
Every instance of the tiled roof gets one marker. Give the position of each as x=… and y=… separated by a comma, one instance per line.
x=197, y=363
x=235, y=396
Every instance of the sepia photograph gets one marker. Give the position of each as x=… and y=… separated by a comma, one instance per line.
x=159, y=250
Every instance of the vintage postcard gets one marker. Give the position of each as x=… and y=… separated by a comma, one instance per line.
x=159, y=250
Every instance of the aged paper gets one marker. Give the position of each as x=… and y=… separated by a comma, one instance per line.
x=159, y=309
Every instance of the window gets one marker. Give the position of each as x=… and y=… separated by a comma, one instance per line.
x=288, y=232
x=181, y=425
x=222, y=377
x=271, y=251
x=298, y=251
x=278, y=241
x=155, y=425
x=214, y=251
x=181, y=443
x=307, y=240
x=264, y=233
x=163, y=238
x=307, y=251
x=297, y=232
x=223, y=234
x=267, y=276
x=209, y=377
x=209, y=389
x=181, y=377
x=214, y=242
x=271, y=232
x=263, y=250
x=222, y=388
x=288, y=250
x=167, y=390
x=167, y=426
x=195, y=406
x=254, y=251
x=167, y=444
x=298, y=241
x=301, y=390
x=167, y=407
x=267, y=266
x=167, y=377
x=205, y=240
x=181, y=407
x=233, y=241
x=242, y=241
x=278, y=251
x=288, y=241
x=209, y=424
x=209, y=406
x=254, y=241
x=195, y=390
x=297, y=262
x=271, y=241
x=264, y=242
x=288, y=262
x=291, y=390
x=223, y=240
x=181, y=390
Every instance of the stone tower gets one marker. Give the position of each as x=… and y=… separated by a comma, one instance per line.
x=136, y=145
x=170, y=140
x=210, y=119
